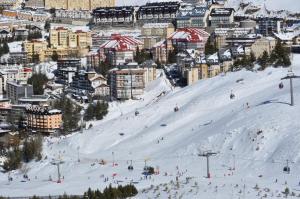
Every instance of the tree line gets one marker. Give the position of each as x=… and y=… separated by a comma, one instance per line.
x=30, y=150
x=120, y=192
x=280, y=56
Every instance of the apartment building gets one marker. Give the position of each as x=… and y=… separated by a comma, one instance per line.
x=120, y=49
x=268, y=25
x=158, y=12
x=15, y=90
x=42, y=119
x=155, y=32
x=78, y=4
x=221, y=17
x=34, y=48
x=189, y=38
x=89, y=82
x=196, y=17
x=13, y=73
x=65, y=38
x=73, y=14
x=149, y=67
x=126, y=83
x=220, y=35
x=110, y=16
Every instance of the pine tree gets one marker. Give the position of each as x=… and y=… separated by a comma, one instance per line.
x=89, y=113
x=38, y=81
x=5, y=48
x=263, y=60
x=252, y=57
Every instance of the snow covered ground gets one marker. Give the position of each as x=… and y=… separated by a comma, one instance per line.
x=257, y=141
x=290, y=5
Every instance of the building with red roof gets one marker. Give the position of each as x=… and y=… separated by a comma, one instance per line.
x=189, y=38
x=120, y=49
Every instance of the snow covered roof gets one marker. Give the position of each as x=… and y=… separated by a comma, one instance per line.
x=221, y=11
x=157, y=25
x=287, y=36
x=189, y=34
x=121, y=43
x=213, y=58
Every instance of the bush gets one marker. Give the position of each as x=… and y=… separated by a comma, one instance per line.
x=98, y=111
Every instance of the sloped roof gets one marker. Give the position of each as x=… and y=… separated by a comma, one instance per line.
x=121, y=43
x=189, y=34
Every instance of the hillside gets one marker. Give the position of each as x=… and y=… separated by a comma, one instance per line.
x=257, y=140
x=290, y=5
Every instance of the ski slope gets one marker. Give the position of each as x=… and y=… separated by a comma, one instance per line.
x=257, y=141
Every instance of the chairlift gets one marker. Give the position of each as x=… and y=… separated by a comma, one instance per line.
x=176, y=109
x=232, y=96
x=136, y=113
x=280, y=85
x=286, y=169
x=130, y=167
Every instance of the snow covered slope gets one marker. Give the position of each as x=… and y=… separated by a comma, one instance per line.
x=290, y=5
x=257, y=141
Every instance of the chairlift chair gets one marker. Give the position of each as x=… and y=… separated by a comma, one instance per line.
x=286, y=169
x=280, y=85
x=176, y=109
x=130, y=167
x=136, y=113
x=232, y=96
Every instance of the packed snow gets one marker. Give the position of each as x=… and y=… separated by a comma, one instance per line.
x=253, y=135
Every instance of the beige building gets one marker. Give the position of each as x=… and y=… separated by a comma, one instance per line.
x=35, y=47
x=195, y=73
x=263, y=44
x=78, y=4
x=63, y=42
x=64, y=38
x=155, y=32
x=149, y=67
x=41, y=119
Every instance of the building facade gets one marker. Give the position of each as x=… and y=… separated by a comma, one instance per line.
x=126, y=83
x=155, y=32
x=41, y=119
x=15, y=91
x=78, y=4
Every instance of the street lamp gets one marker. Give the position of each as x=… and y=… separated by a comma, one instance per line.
x=81, y=120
